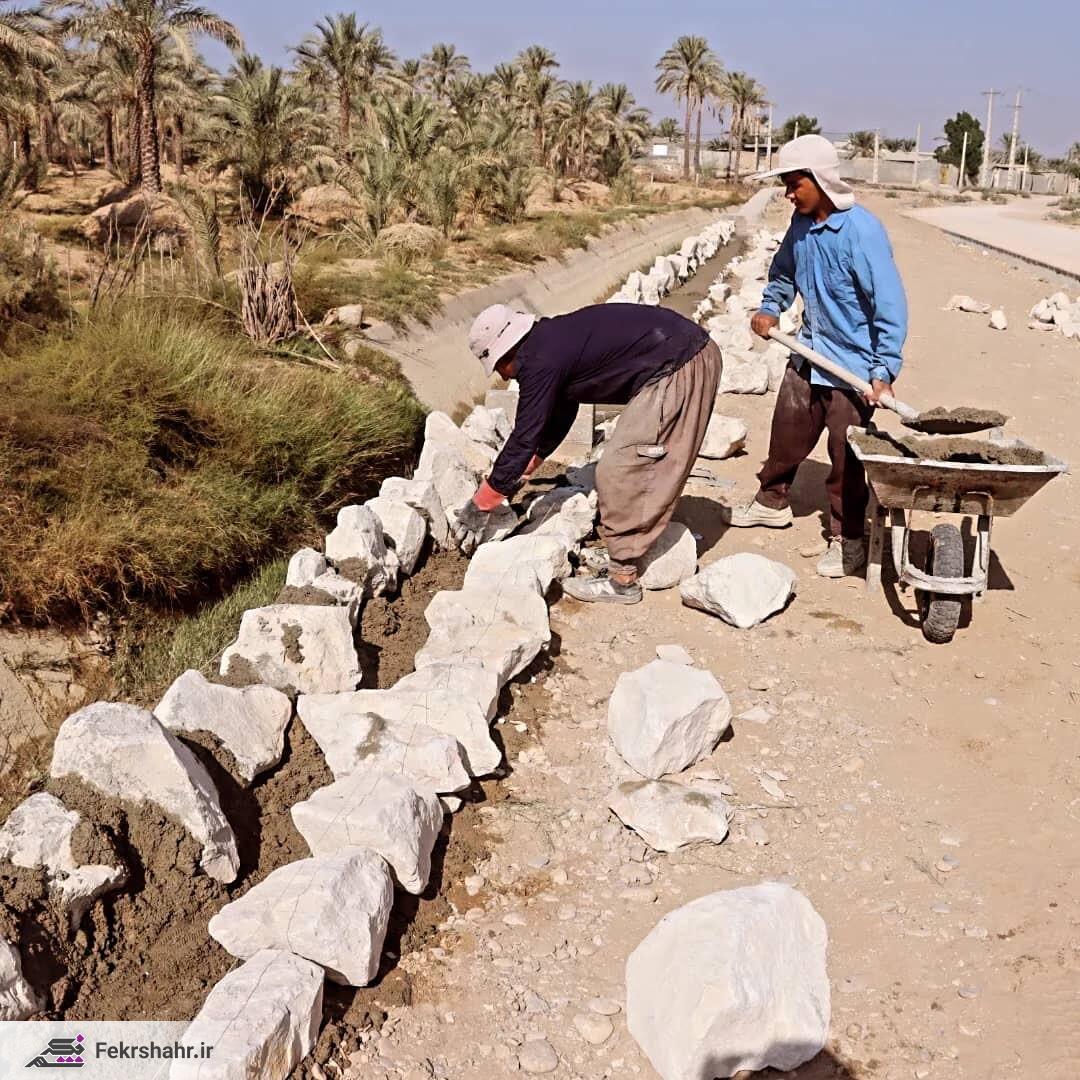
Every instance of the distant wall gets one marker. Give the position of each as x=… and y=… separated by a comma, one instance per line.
x=436, y=359
x=899, y=172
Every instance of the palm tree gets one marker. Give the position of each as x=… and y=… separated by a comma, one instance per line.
x=337, y=57
x=505, y=81
x=440, y=66
x=683, y=70
x=668, y=128
x=581, y=121
x=743, y=94
x=144, y=27
x=536, y=61
x=709, y=87
x=24, y=40
x=542, y=97
x=861, y=143
x=626, y=124
x=409, y=75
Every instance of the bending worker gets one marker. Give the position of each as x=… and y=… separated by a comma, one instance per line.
x=662, y=367
x=837, y=257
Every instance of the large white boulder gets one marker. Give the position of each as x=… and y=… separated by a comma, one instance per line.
x=489, y=427
x=505, y=631
x=663, y=273
x=777, y=357
x=651, y=290
x=633, y=287
x=671, y=560
x=124, y=752
x=38, y=833
x=297, y=647
x=724, y=436
x=374, y=810
x=403, y=526
x=423, y=497
x=664, y=717
x=357, y=547
x=529, y=561
x=18, y=1001
x=441, y=431
x=249, y=722
x=304, y=567
x=744, y=373
x=352, y=733
x=668, y=816
x=566, y=511
x=308, y=569
x=332, y=910
x=262, y=1020
x=449, y=473
x=742, y=589
x=733, y=981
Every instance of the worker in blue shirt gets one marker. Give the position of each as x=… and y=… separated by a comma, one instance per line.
x=837, y=257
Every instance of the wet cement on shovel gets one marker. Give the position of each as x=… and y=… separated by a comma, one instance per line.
x=961, y=421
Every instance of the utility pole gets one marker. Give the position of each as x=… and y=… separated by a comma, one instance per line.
x=877, y=156
x=1013, y=140
x=984, y=179
x=915, y=159
x=962, y=178
x=796, y=135
x=768, y=145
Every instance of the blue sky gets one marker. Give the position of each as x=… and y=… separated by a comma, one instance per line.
x=852, y=63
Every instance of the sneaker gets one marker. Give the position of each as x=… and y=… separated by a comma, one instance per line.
x=753, y=513
x=601, y=590
x=845, y=558
x=595, y=559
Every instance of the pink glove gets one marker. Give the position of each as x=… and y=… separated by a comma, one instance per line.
x=534, y=463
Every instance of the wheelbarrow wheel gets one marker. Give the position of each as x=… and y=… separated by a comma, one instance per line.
x=941, y=614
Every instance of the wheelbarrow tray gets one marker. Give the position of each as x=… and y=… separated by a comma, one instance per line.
x=953, y=487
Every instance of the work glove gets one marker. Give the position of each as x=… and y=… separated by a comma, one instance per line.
x=534, y=463
x=472, y=520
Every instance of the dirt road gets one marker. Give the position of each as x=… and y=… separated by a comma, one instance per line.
x=933, y=792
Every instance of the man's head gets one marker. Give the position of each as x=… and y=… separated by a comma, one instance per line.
x=495, y=336
x=810, y=169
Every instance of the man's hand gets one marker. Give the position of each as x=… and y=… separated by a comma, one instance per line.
x=762, y=323
x=469, y=525
x=877, y=388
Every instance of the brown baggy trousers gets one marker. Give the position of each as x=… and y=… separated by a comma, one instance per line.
x=803, y=411
x=638, y=493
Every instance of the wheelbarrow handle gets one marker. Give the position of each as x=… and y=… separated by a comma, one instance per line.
x=906, y=412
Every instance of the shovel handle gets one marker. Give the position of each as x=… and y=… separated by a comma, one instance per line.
x=906, y=412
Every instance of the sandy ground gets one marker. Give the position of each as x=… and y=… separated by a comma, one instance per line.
x=897, y=753
x=1019, y=226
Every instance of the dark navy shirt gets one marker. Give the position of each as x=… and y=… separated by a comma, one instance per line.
x=603, y=354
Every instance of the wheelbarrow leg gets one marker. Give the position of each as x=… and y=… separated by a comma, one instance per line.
x=877, y=545
x=982, y=552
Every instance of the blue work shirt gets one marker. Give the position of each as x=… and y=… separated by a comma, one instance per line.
x=855, y=308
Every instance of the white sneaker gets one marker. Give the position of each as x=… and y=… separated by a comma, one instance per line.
x=601, y=590
x=753, y=513
x=845, y=558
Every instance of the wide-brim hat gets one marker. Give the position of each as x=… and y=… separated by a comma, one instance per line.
x=495, y=331
x=817, y=156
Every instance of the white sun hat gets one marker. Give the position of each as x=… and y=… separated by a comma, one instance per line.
x=817, y=156
x=495, y=331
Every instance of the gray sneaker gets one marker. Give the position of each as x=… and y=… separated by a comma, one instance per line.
x=746, y=517
x=845, y=558
x=601, y=590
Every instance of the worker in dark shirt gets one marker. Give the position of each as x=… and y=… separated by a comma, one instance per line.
x=662, y=367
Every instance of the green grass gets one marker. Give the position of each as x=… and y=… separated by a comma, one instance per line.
x=392, y=293
x=154, y=456
x=151, y=653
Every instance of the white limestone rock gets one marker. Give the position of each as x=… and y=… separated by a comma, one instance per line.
x=351, y=733
x=1060, y=301
x=18, y=1000
x=531, y=562
x=489, y=427
x=565, y=511
x=732, y=981
x=650, y=290
x=345, y=591
x=304, y=567
x=668, y=816
x=249, y=722
x=744, y=374
x=357, y=547
x=777, y=357
x=1043, y=311
x=998, y=320
x=790, y=321
x=332, y=910
x=440, y=430
x=665, y=717
x=671, y=560
x=454, y=481
x=38, y=833
x=262, y=1020
x=719, y=291
x=681, y=266
x=402, y=525
x=663, y=273
x=633, y=287
x=969, y=304
x=297, y=647
x=743, y=589
x=374, y=810
x=423, y=497
x=504, y=632
x=724, y=436
x=124, y=752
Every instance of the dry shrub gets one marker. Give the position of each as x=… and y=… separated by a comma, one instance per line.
x=29, y=290
x=410, y=240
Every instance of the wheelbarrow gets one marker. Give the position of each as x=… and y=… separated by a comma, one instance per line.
x=899, y=486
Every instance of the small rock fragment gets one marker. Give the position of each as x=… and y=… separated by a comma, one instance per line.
x=668, y=816
x=595, y=1030
x=537, y=1056
x=18, y=1001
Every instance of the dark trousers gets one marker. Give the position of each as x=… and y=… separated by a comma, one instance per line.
x=803, y=412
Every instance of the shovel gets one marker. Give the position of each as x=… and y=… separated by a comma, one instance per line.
x=935, y=422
